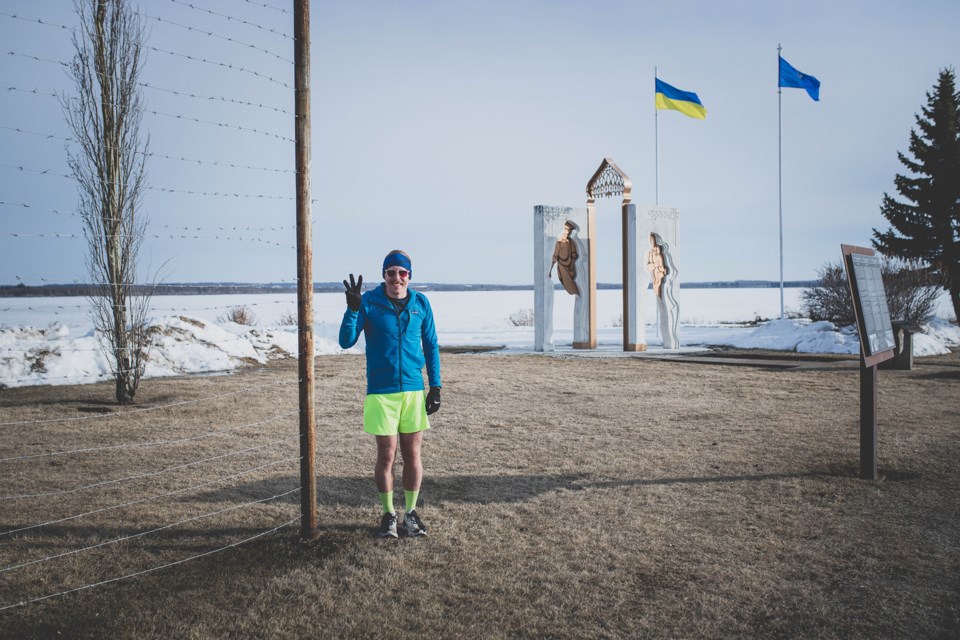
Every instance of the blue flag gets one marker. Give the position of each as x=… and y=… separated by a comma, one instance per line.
x=791, y=78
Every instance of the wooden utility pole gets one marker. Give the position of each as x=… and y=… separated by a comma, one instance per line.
x=301, y=84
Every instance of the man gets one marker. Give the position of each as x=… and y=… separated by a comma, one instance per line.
x=565, y=256
x=398, y=326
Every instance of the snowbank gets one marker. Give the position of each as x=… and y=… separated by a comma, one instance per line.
x=177, y=345
x=805, y=336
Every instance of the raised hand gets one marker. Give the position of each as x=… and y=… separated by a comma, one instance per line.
x=353, y=292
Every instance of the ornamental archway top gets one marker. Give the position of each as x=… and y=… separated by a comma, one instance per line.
x=609, y=181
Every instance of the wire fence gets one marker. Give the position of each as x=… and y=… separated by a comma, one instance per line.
x=196, y=37
x=229, y=462
x=221, y=130
x=174, y=35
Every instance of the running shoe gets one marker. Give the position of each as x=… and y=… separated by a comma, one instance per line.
x=388, y=526
x=413, y=525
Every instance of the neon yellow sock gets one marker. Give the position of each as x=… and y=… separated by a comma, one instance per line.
x=410, y=497
x=386, y=499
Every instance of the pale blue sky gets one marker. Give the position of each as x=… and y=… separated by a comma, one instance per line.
x=437, y=126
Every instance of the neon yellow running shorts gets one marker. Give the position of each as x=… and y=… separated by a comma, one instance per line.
x=386, y=414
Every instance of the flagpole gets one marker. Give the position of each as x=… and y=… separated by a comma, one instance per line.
x=656, y=140
x=780, y=171
x=656, y=153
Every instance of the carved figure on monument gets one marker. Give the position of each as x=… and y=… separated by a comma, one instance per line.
x=565, y=257
x=657, y=266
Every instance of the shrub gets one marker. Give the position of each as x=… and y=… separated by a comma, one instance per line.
x=911, y=291
x=290, y=317
x=830, y=300
x=522, y=318
x=239, y=314
x=759, y=319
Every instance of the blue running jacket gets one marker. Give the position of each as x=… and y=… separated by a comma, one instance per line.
x=398, y=344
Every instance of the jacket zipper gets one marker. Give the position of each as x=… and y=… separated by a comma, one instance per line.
x=399, y=349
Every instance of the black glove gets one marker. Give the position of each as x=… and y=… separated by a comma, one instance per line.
x=353, y=292
x=433, y=400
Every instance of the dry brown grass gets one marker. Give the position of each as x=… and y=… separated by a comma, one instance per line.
x=240, y=314
x=565, y=498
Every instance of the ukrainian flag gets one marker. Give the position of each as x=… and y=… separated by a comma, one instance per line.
x=686, y=102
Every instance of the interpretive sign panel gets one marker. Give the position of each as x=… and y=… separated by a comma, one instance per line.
x=876, y=342
x=869, y=303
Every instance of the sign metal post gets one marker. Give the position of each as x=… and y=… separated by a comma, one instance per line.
x=877, y=344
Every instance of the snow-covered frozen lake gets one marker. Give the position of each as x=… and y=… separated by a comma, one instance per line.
x=50, y=340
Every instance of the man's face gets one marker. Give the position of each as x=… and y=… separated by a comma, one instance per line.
x=396, y=279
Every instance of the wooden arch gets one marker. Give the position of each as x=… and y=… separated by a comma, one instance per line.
x=609, y=181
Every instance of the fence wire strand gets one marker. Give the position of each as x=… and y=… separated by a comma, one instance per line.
x=155, y=443
x=232, y=18
x=144, y=533
x=141, y=476
x=147, y=499
x=212, y=34
x=152, y=569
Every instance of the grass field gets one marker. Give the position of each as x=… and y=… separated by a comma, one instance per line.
x=566, y=498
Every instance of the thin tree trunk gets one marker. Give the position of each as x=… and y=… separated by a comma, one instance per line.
x=105, y=118
x=955, y=297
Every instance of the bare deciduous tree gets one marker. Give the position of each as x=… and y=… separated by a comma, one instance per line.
x=911, y=290
x=109, y=167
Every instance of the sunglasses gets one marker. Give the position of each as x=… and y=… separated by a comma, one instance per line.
x=397, y=273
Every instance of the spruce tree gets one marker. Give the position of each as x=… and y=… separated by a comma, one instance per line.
x=927, y=226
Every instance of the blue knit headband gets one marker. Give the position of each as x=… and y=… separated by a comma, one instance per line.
x=398, y=260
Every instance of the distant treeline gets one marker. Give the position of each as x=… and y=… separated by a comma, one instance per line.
x=226, y=288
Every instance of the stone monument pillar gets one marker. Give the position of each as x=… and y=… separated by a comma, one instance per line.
x=561, y=249
x=657, y=239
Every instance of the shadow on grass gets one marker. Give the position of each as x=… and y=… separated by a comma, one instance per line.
x=60, y=396
x=359, y=491
x=280, y=554
x=941, y=375
x=180, y=539
x=112, y=610
x=749, y=477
